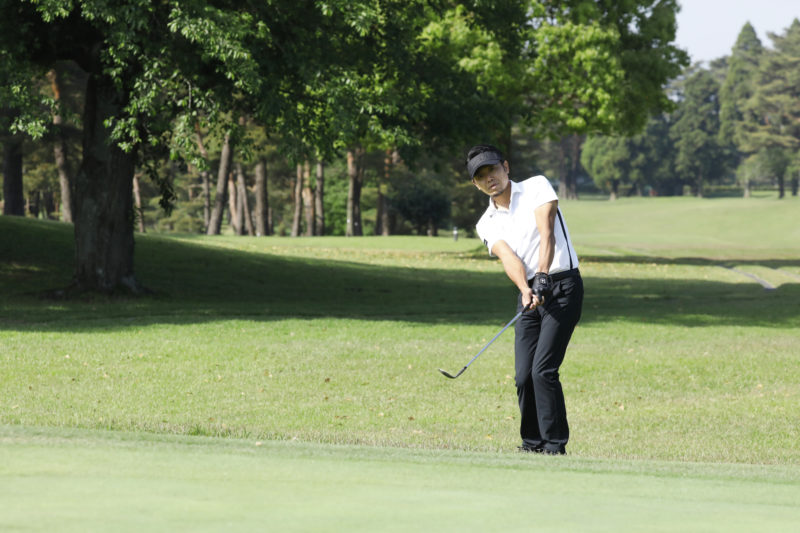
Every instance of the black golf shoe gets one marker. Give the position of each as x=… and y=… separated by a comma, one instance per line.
x=554, y=452
x=530, y=449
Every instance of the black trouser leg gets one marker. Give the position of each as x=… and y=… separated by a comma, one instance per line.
x=526, y=335
x=541, y=339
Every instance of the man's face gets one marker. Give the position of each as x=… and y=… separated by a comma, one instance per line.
x=492, y=179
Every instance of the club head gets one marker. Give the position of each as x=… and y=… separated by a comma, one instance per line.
x=447, y=374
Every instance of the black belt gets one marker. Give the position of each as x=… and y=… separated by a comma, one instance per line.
x=558, y=276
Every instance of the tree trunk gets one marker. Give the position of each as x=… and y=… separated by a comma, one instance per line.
x=137, y=201
x=297, y=198
x=103, y=198
x=781, y=187
x=699, y=186
x=392, y=157
x=319, y=200
x=49, y=205
x=33, y=204
x=795, y=184
x=381, y=219
x=236, y=220
x=205, y=179
x=747, y=185
x=60, y=152
x=308, y=200
x=575, y=155
x=354, y=175
x=507, y=145
x=563, y=190
x=262, y=199
x=614, y=190
x=433, y=230
x=243, y=201
x=215, y=221
x=357, y=203
x=13, y=197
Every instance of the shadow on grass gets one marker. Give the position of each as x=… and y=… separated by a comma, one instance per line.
x=689, y=261
x=194, y=283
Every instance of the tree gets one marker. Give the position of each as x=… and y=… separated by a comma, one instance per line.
x=608, y=161
x=695, y=132
x=653, y=160
x=155, y=69
x=737, y=88
x=739, y=84
x=773, y=110
x=598, y=67
x=262, y=199
x=146, y=63
x=13, y=198
x=422, y=201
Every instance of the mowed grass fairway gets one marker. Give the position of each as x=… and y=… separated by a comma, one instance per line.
x=291, y=384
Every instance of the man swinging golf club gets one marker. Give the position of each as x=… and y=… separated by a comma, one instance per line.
x=523, y=226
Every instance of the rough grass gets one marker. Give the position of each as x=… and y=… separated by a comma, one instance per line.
x=293, y=382
x=338, y=340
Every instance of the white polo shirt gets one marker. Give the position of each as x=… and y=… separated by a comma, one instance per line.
x=517, y=226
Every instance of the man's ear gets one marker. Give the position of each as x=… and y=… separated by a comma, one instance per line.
x=505, y=166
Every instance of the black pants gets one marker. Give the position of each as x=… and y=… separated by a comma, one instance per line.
x=540, y=342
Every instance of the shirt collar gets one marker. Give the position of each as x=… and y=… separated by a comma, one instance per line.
x=515, y=189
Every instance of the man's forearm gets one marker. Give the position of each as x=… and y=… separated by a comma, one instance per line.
x=512, y=264
x=546, y=253
x=515, y=270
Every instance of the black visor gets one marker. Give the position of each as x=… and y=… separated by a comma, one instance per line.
x=481, y=160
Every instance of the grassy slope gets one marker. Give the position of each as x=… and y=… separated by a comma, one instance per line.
x=337, y=341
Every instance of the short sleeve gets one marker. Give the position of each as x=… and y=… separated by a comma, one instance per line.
x=487, y=232
x=539, y=190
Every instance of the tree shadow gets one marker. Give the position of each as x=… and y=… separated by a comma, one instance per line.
x=690, y=261
x=196, y=283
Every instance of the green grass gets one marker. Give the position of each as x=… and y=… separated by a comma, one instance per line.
x=681, y=376
x=90, y=481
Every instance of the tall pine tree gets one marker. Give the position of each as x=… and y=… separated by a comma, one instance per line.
x=699, y=156
x=772, y=125
x=737, y=89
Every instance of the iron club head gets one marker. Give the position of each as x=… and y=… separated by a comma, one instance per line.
x=447, y=374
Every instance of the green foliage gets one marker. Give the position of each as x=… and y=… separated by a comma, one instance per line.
x=643, y=161
x=608, y=161
x=698, y=154
x=622, y=49
x=739, y=85
x=336, y=201
x=319, y=77
x=773, y=109
x=422, y=200
x=745, y=129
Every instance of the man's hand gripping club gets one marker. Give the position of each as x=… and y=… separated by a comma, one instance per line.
x=516, y=273
x=542, y=287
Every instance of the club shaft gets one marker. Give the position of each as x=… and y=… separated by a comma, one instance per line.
x=495, y=337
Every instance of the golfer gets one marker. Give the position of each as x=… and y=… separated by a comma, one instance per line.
x=523, y=226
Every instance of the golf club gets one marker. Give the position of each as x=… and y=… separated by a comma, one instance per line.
x=449, y=375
